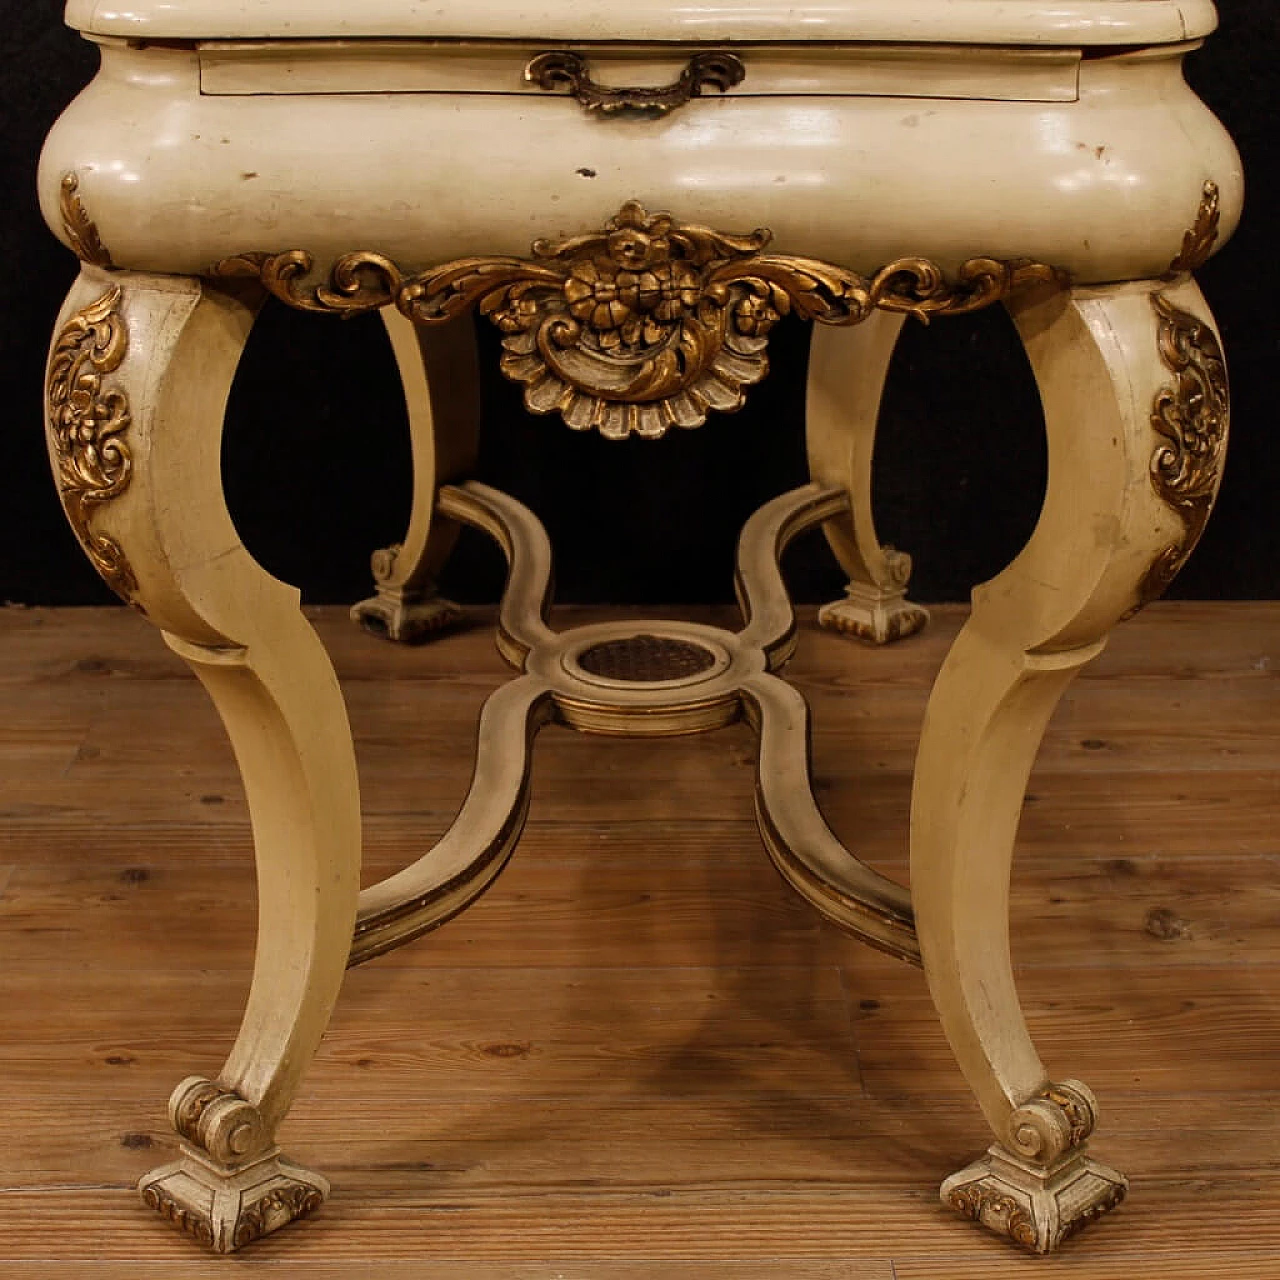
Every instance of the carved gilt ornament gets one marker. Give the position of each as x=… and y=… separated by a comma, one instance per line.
x=996, y=1209
x=1191, y=415
x=87, y=422
x=80, y=229
x=647, y=324
x=1198, y=243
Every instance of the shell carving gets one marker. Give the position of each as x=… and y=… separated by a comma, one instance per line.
x=647, y=324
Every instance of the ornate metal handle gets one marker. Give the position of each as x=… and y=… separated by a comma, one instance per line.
x=705, y=70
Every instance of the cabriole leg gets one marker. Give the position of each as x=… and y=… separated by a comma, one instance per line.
x=440, y=374
x=1135, y=402
x=847, y=371
x=137, y=386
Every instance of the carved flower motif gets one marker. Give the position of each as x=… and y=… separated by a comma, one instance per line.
x=668, y=290
x=630, y=307
x=634, y=292
x=519, y=313
x=637, y=240
x=602, y=296
x=754, y=315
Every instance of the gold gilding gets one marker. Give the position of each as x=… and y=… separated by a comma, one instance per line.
x=646, y=324
x=1192, y=417
x=87, y=423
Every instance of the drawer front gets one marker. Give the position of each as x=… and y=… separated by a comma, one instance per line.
x=1103, y=187
x=407, y=66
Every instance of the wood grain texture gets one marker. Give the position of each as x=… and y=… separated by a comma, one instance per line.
x=639, y=1056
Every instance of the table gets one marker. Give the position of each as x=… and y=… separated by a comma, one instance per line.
x=635, y=195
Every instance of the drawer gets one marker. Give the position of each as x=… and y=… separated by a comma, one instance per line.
x=243, y=67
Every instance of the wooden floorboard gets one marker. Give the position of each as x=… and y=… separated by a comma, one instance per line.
x=639, y=1057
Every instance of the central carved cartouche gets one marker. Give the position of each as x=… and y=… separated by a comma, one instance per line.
x=646, y=324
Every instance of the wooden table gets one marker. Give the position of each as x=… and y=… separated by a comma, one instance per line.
x=635, y=196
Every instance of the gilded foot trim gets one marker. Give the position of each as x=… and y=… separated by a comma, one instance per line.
x=1039, y=1187
x=400, y=613
x=404, y=620
x=231, y=1184
x=1035, y=1208
x=405, y=615
x=647, y=324
x=873, y=614
x=226, y=1210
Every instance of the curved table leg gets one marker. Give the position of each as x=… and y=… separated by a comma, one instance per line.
x=440, y=373
x=1135, y=402
x=847, y=371
x=137, y=386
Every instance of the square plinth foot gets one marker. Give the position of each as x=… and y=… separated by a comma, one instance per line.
x=873, y=614
x=1036, y=1208
x=227, y=1209
x=405, y=621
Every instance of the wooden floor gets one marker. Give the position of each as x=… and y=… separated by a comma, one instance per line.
x=639, y=1057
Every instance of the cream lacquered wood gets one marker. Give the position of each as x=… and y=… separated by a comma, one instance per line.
x=256, y=135
x=1103, y=187
x=1069, y=22
x=416, y=66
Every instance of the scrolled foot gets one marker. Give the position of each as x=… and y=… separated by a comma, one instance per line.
x=401, y=614
x=1047, y=1188
x=231, y=1186
x=874, y=614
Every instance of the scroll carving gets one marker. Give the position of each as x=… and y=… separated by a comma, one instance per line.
x=647, y=324
x=218, y=1121
x=1039, y=1186
x=80, y=229
x=1198, y=243
x=1192, y=418
x=88, y=420
x=1058, y=1121
x=231, y=1186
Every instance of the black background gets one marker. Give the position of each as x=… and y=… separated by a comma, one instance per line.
x=316, y=452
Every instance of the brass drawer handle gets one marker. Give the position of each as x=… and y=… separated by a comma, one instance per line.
x=705, y=71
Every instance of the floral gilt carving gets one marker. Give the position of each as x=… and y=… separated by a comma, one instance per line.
x=646, y=324
x=87, y=422
x=1192, y=417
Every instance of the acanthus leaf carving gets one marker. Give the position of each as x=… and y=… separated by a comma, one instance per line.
x=997, y=1210
x=80, y=229
x=646, y=324
x=1192, y=417
x=1198, y=243
x=87, y=421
